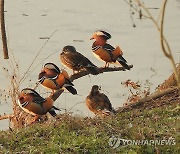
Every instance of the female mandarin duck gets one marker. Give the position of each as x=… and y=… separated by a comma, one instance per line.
x=31, y=102
x=98, y=102
x=51, y=77
x=106, y=52
x=76, y=61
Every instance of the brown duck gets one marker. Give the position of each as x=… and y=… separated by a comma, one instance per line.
x=98, y=102
x=76, y=61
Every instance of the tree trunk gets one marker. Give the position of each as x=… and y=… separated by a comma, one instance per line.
x=3, y=30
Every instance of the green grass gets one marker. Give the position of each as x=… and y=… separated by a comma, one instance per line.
x=85, y=135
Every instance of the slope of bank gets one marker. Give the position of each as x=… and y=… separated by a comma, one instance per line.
x=149, y=128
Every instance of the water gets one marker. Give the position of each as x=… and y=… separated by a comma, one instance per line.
x=28, y=20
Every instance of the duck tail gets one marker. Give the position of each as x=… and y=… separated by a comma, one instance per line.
x=123, y=62
x=52, y=111
x=69, y=86
x=71, y=89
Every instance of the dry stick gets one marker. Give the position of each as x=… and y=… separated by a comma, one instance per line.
x=24, y=77
x=101, y=70
x=79, y=75
x=84, y=73
x=167, y=52
x=168, y=55
x=3, y=30
x=147, y=99
x=135, y=9
x=6, y=116
x=74, y=106
x=154, y=21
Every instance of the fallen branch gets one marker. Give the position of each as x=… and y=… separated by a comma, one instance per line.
x=3, y=30
x=101, y=70
x=72, y=78
x=84, y=73
x=6, y=116
x=141, y=101
x=56, y=94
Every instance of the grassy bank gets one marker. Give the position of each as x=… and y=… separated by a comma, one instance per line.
x=69, y=134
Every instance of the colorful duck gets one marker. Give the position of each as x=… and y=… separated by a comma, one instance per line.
x=31, y=102
x=53, y=78
x=105, y=52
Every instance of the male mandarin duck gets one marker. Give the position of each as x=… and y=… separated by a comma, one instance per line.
x=51, y=77
x=76, y=61
x=31, y=102
x=98, y=102
x=105, y=52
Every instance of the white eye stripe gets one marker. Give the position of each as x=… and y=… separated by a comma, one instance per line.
x=24, y=104
x=101, y=33
x=51, y=66
x=27, y=91
x=54, y=77
x=44, y=77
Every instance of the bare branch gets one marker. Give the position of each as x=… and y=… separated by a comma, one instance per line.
x=25, y=74
x=84, y=73
x=135, y=9
x=143, y=100
x=101, y=70
x=56, y=94
x=6, y=116
x=3, y=30
x=162, y=30
x=164, y=44
x=167, y=52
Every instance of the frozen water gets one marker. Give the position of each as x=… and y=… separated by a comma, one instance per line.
x=28, y=20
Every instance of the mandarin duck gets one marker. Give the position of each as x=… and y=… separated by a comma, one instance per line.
x=53, y=78
x=75, y=61
x=105, y=52
x=98, y=102
x=31, y=102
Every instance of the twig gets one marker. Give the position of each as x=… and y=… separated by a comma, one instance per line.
x=135, y=9
x=6, y=116
x=164, y=43
x=24, y=77
x=56, y=94
x=43, y=60
x=101, y=70
x=147, y=99
x=74, y=106
x=84, y=73
x=3, y=30
x=167, y=52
